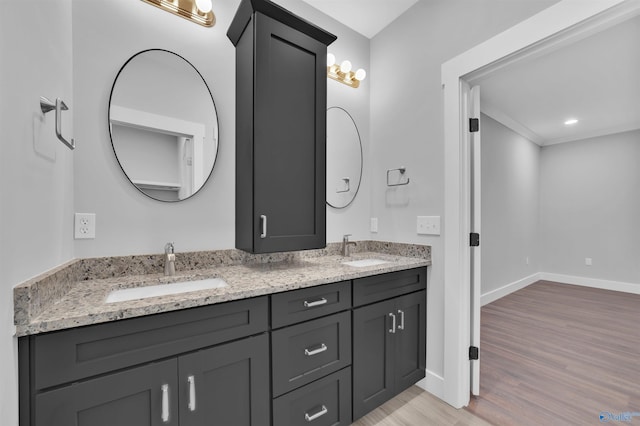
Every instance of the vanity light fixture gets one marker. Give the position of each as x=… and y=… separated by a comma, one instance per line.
x=198, y=11
x=343, y=72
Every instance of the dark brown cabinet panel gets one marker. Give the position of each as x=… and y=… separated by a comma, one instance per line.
x=389, y=348
x=281, y=87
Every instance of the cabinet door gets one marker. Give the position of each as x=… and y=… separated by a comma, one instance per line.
x=226, y=385
x=410, y=337
x=373, y=376
x=289, y=147
x=130, y=398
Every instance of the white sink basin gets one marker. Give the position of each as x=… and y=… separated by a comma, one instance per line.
x=164, y=289
x=362, y=263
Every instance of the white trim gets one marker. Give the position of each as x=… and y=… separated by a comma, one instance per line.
x=553, y=26
x=505, y=290
x=595, y=133
x=432, y=383
x=633, y=288
x=507, y=121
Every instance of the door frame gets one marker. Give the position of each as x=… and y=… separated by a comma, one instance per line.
x=555, y=27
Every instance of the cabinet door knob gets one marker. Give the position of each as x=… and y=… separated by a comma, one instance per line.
x=263, y=220
x=322, y=412
x=165, y=403
x=192, y=393
x=318, y=302
x=393, y=323
x=401, y=325
x=316, y=351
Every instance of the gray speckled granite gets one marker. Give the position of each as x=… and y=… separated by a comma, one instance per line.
x=74, y=294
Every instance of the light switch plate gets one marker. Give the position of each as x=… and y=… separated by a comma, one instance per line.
x=84, y=226
x=374, y=224
x=428, y=225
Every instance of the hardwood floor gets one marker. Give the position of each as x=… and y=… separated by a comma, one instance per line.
x=559, y=354
x=552, y=354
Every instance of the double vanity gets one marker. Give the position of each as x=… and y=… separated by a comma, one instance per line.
x=309, y=337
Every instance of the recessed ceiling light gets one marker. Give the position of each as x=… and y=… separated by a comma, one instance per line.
x=570, y=122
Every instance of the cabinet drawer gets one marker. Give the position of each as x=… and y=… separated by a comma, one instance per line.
x=305, y=352
x=324, y=402
x=69, y=355
x=309, y=303
x=385, y=286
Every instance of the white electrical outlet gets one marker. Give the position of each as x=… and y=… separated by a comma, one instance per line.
x=428, y=225
x=588, y=261
x=527, y=260
x=374, y=224
x=84, y=226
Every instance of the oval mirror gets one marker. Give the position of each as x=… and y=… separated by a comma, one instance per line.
x=344, y=158
x=163, y=125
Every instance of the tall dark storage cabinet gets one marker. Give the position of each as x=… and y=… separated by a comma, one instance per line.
x=281, y=100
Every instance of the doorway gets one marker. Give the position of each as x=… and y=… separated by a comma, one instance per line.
x=555, y=27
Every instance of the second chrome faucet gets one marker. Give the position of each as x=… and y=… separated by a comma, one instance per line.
x=169, y=260
x=345, y=245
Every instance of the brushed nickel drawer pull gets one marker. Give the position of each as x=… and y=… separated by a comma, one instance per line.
x=393, y=323
x=192, y=393
x=313, y=352
x=318, y=302
x=263, y=219
x=320, y=413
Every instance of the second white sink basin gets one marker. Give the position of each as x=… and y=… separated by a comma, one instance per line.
x=365, y=262
x=144, y=292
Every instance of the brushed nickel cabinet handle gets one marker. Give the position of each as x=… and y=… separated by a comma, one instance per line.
x=401, y=325
x=165, y=403
x=322, y=412
x=393, y=323
x=318, y=302
x=313, y=352
x=192, y=393
x=263, y=219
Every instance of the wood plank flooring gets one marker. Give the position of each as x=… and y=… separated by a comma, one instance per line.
x=559, y=354
x=552, y=354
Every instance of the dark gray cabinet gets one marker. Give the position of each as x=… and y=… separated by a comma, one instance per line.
x=281, y=86
x=228, y=384
x=389, y=349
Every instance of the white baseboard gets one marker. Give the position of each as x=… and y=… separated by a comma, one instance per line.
x=433, y=383
x=496, y=294
x=591, y=282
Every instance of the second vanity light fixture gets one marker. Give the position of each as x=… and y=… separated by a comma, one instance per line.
x=343, y=73
x=198, y=11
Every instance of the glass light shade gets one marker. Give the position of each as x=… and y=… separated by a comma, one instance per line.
x=204, y=6
x=331, y=59
x=345, y=66
x=361, y=74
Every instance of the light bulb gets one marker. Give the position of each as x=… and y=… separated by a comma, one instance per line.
x=571, y=122
x=345, y=66
x=331, y=59
x=361, y=74
x=204, y=6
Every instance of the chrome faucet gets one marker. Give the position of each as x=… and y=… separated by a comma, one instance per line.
x=169, y=260
x=345, y=245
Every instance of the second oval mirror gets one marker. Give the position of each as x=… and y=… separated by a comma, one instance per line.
x=163, y=125
x=344, y=158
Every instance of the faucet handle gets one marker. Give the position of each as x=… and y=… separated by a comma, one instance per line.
x=168, y=248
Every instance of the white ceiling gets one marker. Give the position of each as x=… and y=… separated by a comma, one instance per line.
x=367, y=17
x=595, y=80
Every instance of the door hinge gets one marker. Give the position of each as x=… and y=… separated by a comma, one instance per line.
x=474, y=125
x=474, y=353
x=474, y=239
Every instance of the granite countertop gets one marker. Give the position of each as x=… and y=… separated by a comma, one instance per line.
x=74, y=294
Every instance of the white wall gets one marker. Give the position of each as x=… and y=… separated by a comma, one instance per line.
x=510, y=205
x=407, y=124
x=36, y=170
x=590, y=208
x=127, y=221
